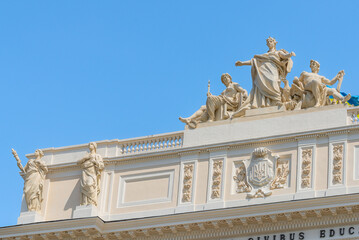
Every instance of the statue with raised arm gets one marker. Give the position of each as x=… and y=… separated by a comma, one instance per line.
x=268, y=70
x=92, y=166
x=218, y=107
x=313, y=88
x=33, y=174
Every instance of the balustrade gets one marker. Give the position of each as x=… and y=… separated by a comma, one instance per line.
x=152, y=143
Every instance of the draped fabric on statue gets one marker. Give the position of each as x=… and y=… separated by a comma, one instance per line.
x=34, y=181
x=90, y=181
x=267, y=71
x=213, y=103
x=230, y=96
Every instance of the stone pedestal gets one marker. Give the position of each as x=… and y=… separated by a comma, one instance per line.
x=263, y=111
x=29, y=217
x=85, y=211
x=266, y=122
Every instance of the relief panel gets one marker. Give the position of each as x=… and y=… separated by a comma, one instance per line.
x=262, y=173
x=146, y=188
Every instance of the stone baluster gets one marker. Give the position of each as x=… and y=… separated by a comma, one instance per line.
x=120, y=149
x=160, y=143
x=141, y=145
x=170, y=139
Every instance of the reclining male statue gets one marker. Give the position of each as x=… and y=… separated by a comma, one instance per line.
x=310, y=89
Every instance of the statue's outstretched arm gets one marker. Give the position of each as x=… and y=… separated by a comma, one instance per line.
x=329, y=82
x=286, y=55
x=338, y=77
x=18, y=161
x=240, y=63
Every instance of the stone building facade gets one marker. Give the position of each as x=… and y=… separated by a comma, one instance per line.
x=271, y=175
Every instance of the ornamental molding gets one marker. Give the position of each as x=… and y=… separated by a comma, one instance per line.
x=306, y=172
x=173, y=153
x=95, y=228
x=241, y=178
x=338, y=156
x=281, y=176
x=192, y=152
x=187, y=182
x=216, y=149
x=62, y=168
x=216, y=179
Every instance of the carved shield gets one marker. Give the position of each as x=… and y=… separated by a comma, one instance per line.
x=261, y=171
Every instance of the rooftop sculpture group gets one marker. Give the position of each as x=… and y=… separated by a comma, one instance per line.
x=268, y=71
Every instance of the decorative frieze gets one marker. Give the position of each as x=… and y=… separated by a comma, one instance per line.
x=216, y=179
x=282, y=173
x=307, y=157
x=239, y=226
x=338, y=154
x=187, y=182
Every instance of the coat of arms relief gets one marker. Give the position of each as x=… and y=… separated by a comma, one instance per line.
x=261, y=174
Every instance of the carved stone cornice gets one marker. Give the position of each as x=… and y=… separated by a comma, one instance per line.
x=249, y=143
x=186, y=153
x=95, y=228
x=134, y=159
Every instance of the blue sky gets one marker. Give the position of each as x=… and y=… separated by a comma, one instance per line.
x=72, y=72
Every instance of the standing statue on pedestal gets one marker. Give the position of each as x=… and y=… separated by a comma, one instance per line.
x=268, y=70
x=312, y=87
x=33, y=174
x=92, y=166
x=218, y=107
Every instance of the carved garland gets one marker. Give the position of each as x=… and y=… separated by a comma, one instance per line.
x=337, y=163
x=216, y=179
x=282, y=173
x=187, y=182
x=241, y=179
x=307, y=155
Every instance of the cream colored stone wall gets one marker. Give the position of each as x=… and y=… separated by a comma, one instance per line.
x=169, y=186
x=145, y=176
